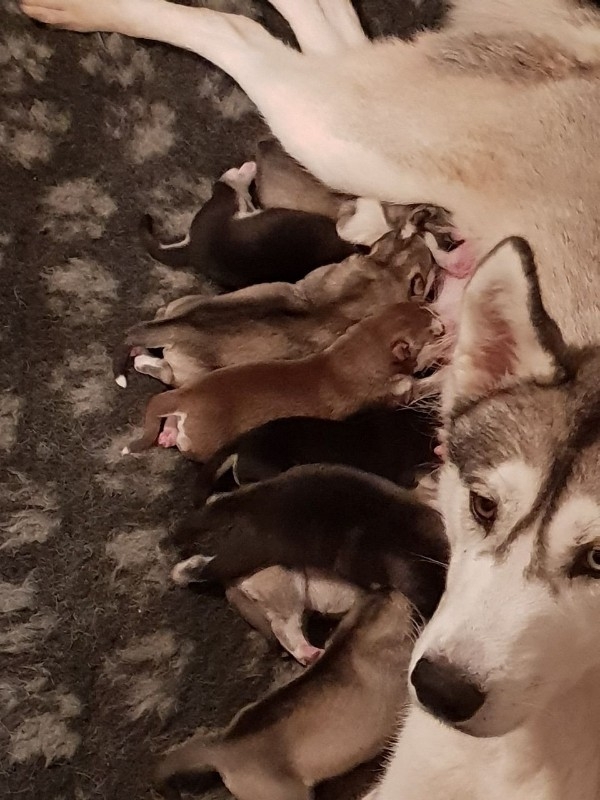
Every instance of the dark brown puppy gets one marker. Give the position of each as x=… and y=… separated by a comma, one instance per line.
x=397, y=444
x=235, y=244
x=358, y=526
x=277, y=320
x=339, y=713
x=355, y=371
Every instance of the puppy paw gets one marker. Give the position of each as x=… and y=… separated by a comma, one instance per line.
x=307, y=654
x=190, y=570
x=247, y=172
x=167, y=438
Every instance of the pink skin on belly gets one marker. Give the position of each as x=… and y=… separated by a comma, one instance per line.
x=459, y=262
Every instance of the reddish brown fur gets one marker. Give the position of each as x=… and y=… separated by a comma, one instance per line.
x=353, y=372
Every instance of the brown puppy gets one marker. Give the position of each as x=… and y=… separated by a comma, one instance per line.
x=357, y=370
x=277, y=320
x=340, y=713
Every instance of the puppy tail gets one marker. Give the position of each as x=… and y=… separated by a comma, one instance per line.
x=199, y=755
x=173, y=255
x=122, y=362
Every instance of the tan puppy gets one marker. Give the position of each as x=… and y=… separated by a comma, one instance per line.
x=277, y=320
x=356, y=371
x=340, y=713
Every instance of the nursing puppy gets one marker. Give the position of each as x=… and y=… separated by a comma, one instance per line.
x=397, y=444
x=282, y=182
x=234, y=244
x=357, y=370
x=359, y=527
x=338, y=714
x=279, y=320
x=275, y=601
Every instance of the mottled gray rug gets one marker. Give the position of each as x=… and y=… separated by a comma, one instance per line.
x=102, y=661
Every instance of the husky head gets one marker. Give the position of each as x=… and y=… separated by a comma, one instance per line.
x=520, y=493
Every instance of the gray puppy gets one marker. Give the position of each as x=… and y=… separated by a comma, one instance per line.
x=337, y=714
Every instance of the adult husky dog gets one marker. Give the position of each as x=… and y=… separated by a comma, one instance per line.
x=497, y=119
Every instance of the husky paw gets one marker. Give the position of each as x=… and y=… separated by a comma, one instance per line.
x=78, y=15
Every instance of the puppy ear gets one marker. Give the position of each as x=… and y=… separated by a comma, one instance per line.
x=402, y=354
x=401, y=350
x=505, y=335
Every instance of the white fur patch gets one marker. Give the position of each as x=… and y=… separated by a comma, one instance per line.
x=180, y=574
x=367, y=225
x=176, y=245
x=516, y=484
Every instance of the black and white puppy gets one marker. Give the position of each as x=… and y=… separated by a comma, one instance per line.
x=357, y=526
x=234, y=244
x=397, y=444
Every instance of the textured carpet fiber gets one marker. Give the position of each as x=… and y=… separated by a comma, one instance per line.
x=103, y=663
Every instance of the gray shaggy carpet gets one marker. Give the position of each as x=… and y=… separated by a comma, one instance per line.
x=103, y=663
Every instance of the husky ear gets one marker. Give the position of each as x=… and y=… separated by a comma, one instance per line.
x=504, y=334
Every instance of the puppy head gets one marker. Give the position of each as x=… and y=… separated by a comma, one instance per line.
x=416, y=339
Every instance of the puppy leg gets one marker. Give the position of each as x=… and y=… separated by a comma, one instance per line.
x=159, y=406
x=251, y=611
x=288, y=631
x=155, y=367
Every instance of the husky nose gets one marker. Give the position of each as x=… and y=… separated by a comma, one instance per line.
x=446, y=691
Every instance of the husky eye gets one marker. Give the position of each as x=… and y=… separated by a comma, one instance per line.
x=417, y=286
x=586, y=564
x=485, y=509
x=593, y=559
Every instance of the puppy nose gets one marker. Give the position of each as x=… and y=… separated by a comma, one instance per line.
x=448, y=692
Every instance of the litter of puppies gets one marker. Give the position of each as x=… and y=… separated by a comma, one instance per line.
x=316, y=479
